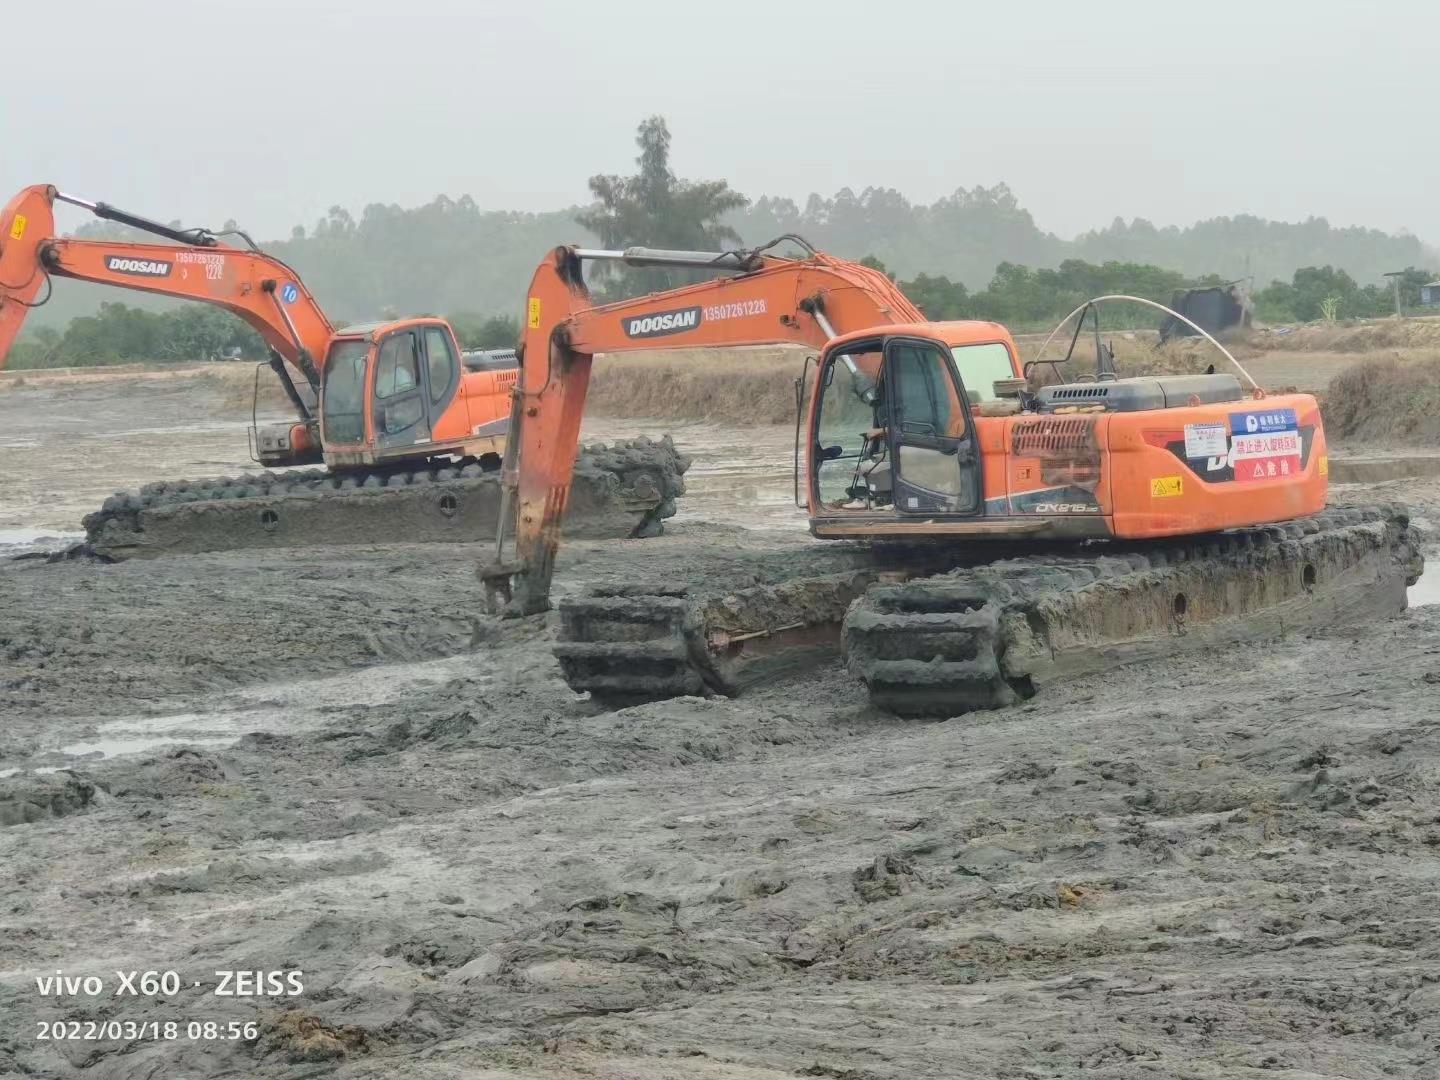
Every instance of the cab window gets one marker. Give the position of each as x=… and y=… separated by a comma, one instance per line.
x=344, y=392
x=395, y=371
x=980, y=366
x=926, y=402
x=440, y=359
x=850, y=412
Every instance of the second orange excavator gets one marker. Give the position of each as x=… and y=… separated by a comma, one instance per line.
x=383, y=405
x=1145, y=508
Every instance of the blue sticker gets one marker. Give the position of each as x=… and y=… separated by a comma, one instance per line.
x=1263, y=423
x=290, y=293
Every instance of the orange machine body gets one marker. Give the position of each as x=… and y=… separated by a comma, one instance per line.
x=398, y=390
x=1087, y=472
x=406, y=391
x=1099, y=474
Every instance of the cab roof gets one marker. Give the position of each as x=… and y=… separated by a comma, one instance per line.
x=372, y=329
x=954, y=332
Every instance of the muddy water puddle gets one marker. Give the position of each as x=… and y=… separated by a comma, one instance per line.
x=279, y=708
x=1426, y=591
x=27, y=541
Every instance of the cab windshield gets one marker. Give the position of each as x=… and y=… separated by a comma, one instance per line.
x=980, y=366
x=343, y=404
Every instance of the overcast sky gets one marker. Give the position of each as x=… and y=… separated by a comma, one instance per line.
x=270, y=112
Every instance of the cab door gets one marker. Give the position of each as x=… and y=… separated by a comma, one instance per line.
x=442, y=382
x=400, y=410
x=934, y=453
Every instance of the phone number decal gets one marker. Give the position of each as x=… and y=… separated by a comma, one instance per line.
x=738, y=309
x=158, y=1030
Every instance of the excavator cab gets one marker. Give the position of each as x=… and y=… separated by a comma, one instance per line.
x=891, y=431
x=389, y=388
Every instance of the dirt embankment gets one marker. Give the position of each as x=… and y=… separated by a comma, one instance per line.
x=757, y=386
x=1373, y=376
x=1352, y=338
x=227, y=391
x=1386, y=400
x=735, y=386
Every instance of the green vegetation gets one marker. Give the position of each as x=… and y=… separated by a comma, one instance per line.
x=654, y=208
x=1027, y=299
x=118, y=334
x=1306, y=298
x=974, y=254
x=1024, y=299
x=968, y=233
x=481, y=332
x=1020, y=297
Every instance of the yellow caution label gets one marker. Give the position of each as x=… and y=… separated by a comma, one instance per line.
x=1324, y=465
x=1166, y=487
x=534, y=318
x=17, y=228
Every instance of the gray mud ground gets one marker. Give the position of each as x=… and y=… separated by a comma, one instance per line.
x=1212, y=867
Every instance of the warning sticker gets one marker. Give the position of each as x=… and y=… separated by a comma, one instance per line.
x=1324, y=465
x=1265, y=457
x=1206, y=440
x=533, y=321
x=17, y=227
x=1166, y=487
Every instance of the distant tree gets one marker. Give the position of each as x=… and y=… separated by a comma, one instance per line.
x=119, y=334
x=38, y=348
x=481, y=332
x=1304, y=298
x=875, y=264
x=938, y=297
x=654, y=208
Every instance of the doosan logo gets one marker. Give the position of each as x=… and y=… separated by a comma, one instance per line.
x=665, y=322
x=120, y=264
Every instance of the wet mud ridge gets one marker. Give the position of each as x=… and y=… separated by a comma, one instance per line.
x=988, y=636
x=627, y=488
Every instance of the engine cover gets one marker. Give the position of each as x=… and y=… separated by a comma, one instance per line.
x=1142, y=392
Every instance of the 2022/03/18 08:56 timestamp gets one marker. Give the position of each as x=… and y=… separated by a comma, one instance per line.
x=154, y=1030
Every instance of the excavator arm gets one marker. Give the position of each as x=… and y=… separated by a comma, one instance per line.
x=257, y=287
x=770, y=300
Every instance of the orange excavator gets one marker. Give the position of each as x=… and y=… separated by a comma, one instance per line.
x=410, y=428
x=367, y=395
x=917, y=433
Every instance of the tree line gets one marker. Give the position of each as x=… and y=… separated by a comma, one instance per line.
x=973, y=254
x=1021, y=297
x=124, y=334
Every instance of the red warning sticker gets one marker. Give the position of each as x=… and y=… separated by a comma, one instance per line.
x=1265, y=457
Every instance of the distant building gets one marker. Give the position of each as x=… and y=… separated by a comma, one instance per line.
x=1430, y=294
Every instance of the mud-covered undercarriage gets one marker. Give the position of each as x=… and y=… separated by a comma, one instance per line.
x=622, y=489
x=926, y=639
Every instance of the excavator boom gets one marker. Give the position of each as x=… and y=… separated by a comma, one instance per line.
x=772, y=300
x=257, y=287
